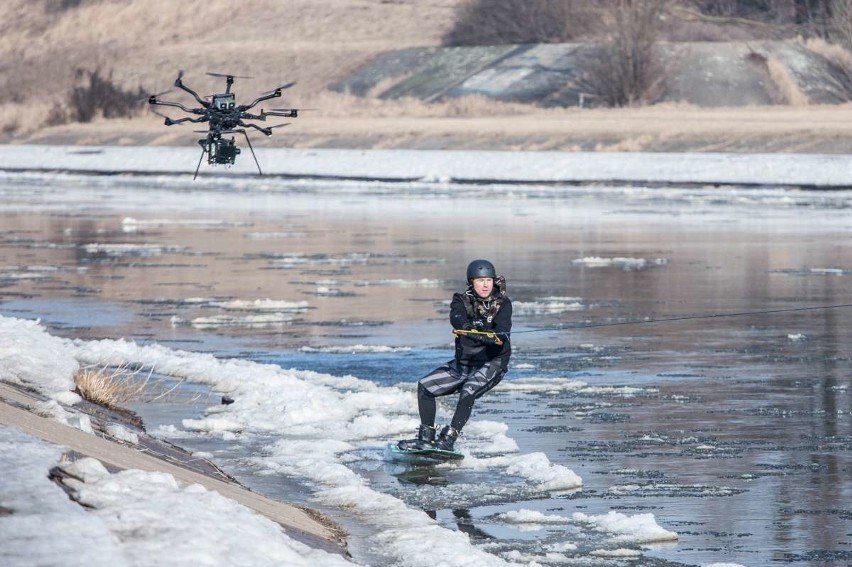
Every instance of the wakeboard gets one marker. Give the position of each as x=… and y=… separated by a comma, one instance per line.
x=429, y=456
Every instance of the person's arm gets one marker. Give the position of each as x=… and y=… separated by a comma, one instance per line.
x=458, y=313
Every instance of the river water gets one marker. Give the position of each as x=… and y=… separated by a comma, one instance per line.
x=709, y=330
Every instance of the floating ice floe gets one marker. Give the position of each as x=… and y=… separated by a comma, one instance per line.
x=641, y=528
x=250, y=322
x=262, y=305
x=425, y=282
x=130, y=224
x=548, y=306
x=354, y=349
x=274, y=235
x=626, y=264
x=117, y=250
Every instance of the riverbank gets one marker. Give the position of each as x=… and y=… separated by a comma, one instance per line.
x=348, y=123
x=767, y=170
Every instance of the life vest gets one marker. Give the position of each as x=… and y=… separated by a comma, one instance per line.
x=485, y=309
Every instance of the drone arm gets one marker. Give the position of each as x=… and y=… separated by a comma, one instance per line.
x=265, y=131
x=158, y=102
x=289, y=113
x=179, y=84
x=247, y=116
x=172, y=121
x=274, y=94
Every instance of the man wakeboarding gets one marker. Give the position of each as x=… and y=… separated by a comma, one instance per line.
x=481, y=318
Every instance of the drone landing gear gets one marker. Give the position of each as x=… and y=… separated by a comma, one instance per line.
x=257, y=163
x=223, y=151
x=203, y=151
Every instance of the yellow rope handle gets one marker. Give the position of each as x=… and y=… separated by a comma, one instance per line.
x=488, y=334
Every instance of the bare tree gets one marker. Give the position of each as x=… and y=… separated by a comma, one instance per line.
x=814, y=17
x=501, y=22
x=626, y=70
x=841, y=22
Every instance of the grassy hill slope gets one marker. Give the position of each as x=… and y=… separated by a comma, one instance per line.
x=46, y=44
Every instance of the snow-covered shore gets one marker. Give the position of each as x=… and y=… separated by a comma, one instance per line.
x=147, y=518
x=799, y=170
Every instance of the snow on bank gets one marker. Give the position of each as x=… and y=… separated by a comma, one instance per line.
x=28, y=355
x=135, y=518
x=312, y=425
x=716, y=168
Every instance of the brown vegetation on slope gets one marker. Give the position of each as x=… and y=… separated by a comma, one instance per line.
x=46, y=46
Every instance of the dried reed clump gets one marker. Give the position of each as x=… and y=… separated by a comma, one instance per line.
x=110, y=387
x=786, y=83
x=839, y=57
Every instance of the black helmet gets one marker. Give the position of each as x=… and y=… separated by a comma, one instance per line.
x=480, y=269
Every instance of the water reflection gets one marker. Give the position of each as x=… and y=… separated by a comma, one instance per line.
x=738, y=435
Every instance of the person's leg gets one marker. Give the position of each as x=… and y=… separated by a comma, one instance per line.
x=475, y=385
x=441, y=381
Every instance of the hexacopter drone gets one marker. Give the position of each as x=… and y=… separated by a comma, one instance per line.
x=224, y=116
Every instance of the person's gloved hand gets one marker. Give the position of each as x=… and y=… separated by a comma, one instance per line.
x=477, y=325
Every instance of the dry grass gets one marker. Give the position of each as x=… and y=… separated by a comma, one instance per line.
x=110, y=387
x=786, y=84
x=319, y=42
x=313, y=42
x=833, y=52
x=664, y=127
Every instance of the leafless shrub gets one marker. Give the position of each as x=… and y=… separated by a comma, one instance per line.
x=101, y=96
x=626, y=70
x=10, y=127
x=727, y=20
x=501, y=22
x=813, y=17
x=841, y=22
x=96, y=96
x=57, y=115
x=738, y=8
x=56, y=6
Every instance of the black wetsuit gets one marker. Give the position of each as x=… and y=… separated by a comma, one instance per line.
x=479, y=363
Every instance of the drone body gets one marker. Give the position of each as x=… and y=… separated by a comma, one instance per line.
x=224, y=116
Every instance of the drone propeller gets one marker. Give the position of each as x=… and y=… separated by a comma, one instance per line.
x=226, y=75
x=281, y=88
x=148, y=98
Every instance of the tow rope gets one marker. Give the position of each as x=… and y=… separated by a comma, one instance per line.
x=666, y=320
